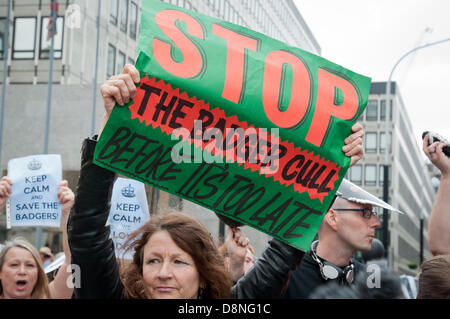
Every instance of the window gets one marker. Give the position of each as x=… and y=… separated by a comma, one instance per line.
x=372, y=110
x=113, y=11
x=370, y=175
x=382, y=174
x=371, y=142
x=383, y=142
x=24, y=38
x=361, y=117
x=2, y=37
x=356, y=174
x=187, y=5
x=131, y=61
x=226, y=11
x=221, y=10
x=120, y=61
x=383, y=110
x=44, y=50
x=133, y=20
x=123, y=15
x=111, y=61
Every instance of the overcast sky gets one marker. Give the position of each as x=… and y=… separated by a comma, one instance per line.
x=368, y=37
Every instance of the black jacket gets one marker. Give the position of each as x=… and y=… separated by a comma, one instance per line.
x=93, y=251
x=307, y=278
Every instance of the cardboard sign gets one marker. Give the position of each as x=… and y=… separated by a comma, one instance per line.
x=34, y=198
x=235, y=121
x=128, y=212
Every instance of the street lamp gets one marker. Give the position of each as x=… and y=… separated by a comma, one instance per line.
x=386, y=154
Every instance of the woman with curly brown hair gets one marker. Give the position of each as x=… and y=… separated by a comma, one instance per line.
x=174, y=257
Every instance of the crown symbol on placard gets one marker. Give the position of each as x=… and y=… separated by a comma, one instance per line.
x=128, y=191
x=34, y=164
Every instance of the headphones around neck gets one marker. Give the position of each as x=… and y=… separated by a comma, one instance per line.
x=330, y=271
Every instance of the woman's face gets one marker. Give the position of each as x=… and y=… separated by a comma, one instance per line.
x=168, y=271
x=19, y=274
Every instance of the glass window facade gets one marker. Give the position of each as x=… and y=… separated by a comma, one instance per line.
x=113, y=11
x=120, y=62
x=123, y=15
x=372, y=110
x=44, y=50
x=111, y=60
x=356, y=174
x=133, y=20
x=370, y=175
x=2, y=37
x=24, y=40
x=383, y=142
x=371, y=142
x=383, y=111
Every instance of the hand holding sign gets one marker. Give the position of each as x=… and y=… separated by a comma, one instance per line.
x=353, y=144
x=5, y=190
x=236, y=245
x=119, y=89
x=65, y=197
x=34, y=200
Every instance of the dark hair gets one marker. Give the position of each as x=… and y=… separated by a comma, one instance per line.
x=434, y=279
x=193, y=238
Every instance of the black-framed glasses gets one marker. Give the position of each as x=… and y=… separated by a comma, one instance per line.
x=367, y=212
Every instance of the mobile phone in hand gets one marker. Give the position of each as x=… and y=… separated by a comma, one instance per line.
x=435, y=137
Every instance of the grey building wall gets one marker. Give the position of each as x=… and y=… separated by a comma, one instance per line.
x=73, y=76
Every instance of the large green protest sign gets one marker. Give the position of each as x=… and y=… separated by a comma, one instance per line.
x=235, y=121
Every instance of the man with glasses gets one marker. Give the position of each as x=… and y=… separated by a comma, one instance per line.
x=348, y=226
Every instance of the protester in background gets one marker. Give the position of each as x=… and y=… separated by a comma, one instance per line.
x=250, y=258
x=439, y=224
x=238, y=253
x=434, y=278
x=93, y=251
x=376, y=254
x=21, y=269
x=389, y=288
x=46, y=256
x=349, y=225
x=21, y=272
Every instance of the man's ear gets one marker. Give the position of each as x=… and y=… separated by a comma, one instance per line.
x=331, y=219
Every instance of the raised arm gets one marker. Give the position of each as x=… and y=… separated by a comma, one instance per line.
x=5, y=191
x=236, y=244
x=439, y=224
x=353, y=147
x=92, y=249
x=269, y=277
x=61, y=287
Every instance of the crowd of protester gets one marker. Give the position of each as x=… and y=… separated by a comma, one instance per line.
x=174, y=255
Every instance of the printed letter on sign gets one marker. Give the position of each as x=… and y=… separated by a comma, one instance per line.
x=327, y=105
x=192, y=63
x=300, y=91
x=236, y=56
